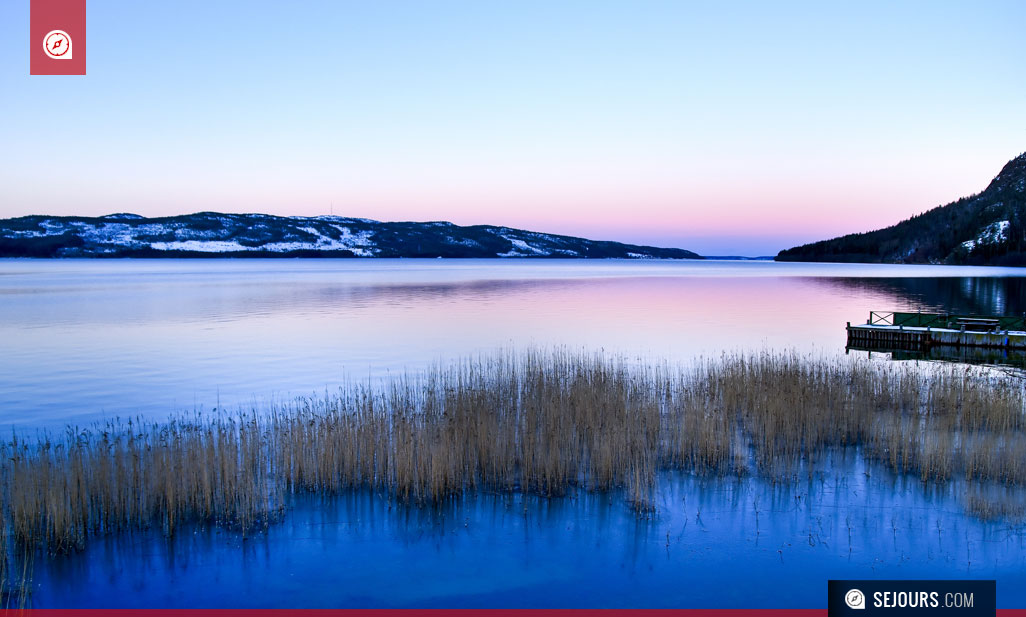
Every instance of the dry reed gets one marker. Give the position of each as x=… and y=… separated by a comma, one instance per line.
x=539, y=422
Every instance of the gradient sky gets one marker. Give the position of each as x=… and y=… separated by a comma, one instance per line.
x=725, y=128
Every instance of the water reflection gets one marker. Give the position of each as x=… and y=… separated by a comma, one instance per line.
x=1012, y=358
x=87, y=339
x=90, y=339
x=713, y=542
x=962, y=295
x=966, y=296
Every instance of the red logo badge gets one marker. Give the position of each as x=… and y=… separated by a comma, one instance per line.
x=58, y=37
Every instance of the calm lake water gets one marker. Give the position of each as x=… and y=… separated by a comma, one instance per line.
x=704, y=548
x=84, y=340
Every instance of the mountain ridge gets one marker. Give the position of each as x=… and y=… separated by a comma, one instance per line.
x=215, y=234
x=988, y=228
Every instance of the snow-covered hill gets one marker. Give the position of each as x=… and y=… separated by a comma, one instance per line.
x=211, y=234
x=988, y=228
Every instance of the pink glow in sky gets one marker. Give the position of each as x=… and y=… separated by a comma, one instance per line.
x=722, y=129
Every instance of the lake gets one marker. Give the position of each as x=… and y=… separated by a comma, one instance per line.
x=87, y=340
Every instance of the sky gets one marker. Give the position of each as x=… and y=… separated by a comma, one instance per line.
x=728, y=128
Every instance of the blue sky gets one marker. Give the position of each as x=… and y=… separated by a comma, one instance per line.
x=723, y=128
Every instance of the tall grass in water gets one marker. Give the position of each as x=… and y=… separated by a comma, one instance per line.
x=540, y=422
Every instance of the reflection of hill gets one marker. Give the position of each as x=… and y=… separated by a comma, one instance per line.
x=279, y=297
x=969, y=295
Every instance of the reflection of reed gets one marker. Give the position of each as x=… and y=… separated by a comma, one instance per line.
x=540, y=423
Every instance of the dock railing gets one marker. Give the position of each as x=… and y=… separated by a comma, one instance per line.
x=911, y=320
x=946, y=320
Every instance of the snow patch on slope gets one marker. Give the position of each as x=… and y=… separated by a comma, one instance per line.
x=523, y=249
x=991, y=234
x=109, y=236
x=201, y=246
x=358, y=243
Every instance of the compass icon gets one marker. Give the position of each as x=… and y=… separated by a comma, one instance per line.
x=57, y=45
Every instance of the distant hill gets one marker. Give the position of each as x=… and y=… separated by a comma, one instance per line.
x=988, y=228
x=211, y=234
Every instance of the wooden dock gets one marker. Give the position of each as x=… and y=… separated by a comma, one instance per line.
x=922, y=331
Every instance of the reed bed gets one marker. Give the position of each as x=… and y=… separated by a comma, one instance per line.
x=543, y=422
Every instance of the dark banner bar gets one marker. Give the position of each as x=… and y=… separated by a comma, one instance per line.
x=434, y=612
x=957, y=598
